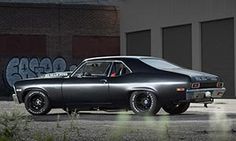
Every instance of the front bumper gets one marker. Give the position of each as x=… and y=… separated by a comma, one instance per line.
x=204, y=95
x=15, y=98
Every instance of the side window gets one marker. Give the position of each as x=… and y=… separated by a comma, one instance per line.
x=79, y=72
x=93, y=69
x=119, y=69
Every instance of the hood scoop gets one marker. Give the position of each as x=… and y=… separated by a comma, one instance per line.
x=56, y=75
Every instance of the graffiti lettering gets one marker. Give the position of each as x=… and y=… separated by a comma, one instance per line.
x=22, y=68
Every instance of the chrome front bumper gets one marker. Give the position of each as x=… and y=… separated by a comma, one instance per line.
x=15, y=98
x=204, y=95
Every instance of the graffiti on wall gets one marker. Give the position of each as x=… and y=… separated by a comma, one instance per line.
x=22, y=68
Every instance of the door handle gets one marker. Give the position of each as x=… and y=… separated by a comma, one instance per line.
x=103, y=80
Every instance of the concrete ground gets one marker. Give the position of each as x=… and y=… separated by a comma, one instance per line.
x=217, y=122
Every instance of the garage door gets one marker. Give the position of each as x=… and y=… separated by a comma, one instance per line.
x=218, y=51
x=138, y=43
x=177, y=45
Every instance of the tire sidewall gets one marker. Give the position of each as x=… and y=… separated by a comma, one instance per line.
x=171, y=109
x=154, y=108
x=44, y=110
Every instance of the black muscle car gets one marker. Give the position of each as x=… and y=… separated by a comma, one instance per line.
x=142, y=84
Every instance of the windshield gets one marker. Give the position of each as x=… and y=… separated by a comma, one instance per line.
x=159, y=64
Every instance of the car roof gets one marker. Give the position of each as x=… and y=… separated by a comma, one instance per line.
x=119, y=57
x=133, y=62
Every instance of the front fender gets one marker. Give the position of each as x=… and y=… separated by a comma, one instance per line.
x=24, y=91
x=27, y=90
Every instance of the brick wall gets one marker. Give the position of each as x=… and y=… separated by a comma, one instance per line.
x=91, y=46
x=55, y=30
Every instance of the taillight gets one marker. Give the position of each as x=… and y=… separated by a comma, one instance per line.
x=219, y=94
x=195, y=85
x=219, y=84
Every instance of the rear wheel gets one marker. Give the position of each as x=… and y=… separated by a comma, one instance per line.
x=144, y=103
x=37, y=103
x=176, y=108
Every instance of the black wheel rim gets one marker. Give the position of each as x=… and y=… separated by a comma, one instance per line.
x=143, y=102
x=36, y=103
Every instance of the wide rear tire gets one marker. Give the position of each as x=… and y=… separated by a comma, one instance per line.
x=37, y=103
x=174, y=109
x=144, y=103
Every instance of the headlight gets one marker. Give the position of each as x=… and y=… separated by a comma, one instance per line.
x=18, y=90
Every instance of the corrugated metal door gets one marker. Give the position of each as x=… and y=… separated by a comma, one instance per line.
x=177, y=45
x=139, y=43
x=218, y=51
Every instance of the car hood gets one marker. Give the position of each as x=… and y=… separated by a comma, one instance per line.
x=51, y=75
x=56, y=75
x=195, y=75
x=48, y=76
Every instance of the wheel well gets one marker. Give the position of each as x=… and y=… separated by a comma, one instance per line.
x=130, y=93
x=142, y=89
x=32, y=89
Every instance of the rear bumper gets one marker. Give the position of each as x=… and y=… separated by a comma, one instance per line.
x=204, y=95
x=15, y=98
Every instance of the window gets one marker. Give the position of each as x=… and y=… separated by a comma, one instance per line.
x=159, y=64
x=119, y=69
x=93, y=69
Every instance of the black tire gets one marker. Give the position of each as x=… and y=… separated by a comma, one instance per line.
x=176, y=108
x=144, y=103
x=37, y=103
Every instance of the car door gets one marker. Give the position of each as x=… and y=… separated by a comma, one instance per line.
x=88, y=85
x=119, y=83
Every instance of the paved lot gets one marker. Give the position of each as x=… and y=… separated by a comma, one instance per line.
x=217, y=122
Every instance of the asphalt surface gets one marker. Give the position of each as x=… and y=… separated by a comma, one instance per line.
x=217, y=122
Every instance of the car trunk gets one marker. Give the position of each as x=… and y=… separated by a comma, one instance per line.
x=206, y=80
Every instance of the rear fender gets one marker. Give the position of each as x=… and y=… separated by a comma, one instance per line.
x=144, y=89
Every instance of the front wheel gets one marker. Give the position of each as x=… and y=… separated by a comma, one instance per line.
x=144, y=103
x=37, y=103
x=176, y=108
